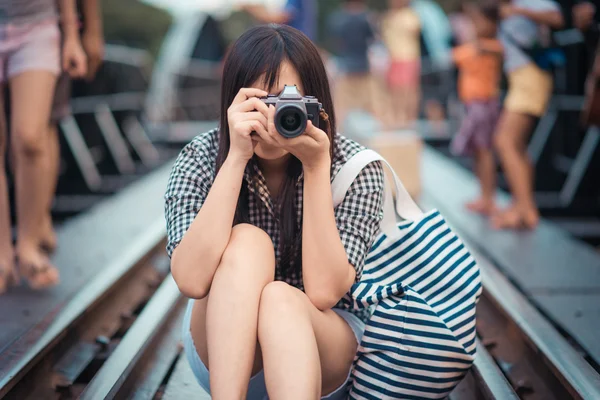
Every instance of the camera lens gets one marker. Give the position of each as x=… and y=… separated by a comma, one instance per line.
x=290, y=120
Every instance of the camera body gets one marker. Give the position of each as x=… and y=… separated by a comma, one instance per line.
x=292, y=111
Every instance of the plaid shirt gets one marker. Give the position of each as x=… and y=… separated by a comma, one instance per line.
x=358, y=217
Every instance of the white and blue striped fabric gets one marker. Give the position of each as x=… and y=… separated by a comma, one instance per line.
x=422, y=286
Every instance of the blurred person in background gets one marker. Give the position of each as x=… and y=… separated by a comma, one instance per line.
x=93, y=45
x=30, y=53
x=480, y=67
x=400, y=31
x=351, y=31
x=530, y=84
x=299, y=14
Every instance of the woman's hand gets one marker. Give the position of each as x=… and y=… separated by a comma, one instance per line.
x=311, y=147
x=74, y=58
x=247, y=114
x=93, y=44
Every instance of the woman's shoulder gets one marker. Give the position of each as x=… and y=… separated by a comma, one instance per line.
x=371, y=178
x=202, y=148
x=200, y=153
x=345, y=149
x=205, y=144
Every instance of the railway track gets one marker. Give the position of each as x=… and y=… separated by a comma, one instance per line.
x=119, y=338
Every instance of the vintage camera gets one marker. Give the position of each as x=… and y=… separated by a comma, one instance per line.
x=292, y=111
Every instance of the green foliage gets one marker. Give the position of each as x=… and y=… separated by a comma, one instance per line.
x=135, y=24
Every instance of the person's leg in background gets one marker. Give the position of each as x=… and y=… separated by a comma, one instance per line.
x=60, y=109
x=413, y=96
x=511, y=143
x=530, y=89
x=8, y=272
x=485, y=169
x=32, y=71
x=485, y=115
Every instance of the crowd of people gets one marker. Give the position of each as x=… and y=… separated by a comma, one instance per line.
x=493, y=37
x=43, y=45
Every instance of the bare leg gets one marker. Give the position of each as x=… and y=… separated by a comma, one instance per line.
x=485, y=168
x=31, y=96
x=511, y=144
x=306, y=352
x=48, y=235
x=8, y=273
x=224, y=326
x=414, y=99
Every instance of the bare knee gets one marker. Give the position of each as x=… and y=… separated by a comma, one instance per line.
x=249, y=253
x=29, y=141
x=279, y=301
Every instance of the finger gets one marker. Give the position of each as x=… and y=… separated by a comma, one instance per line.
x=271, y=120
x=66, y=64
x=246, y=93
x=314, y=132
x=258, y=129
x=254, y=116
x=252, y=104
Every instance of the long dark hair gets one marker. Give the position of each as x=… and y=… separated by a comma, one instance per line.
x=260, y=51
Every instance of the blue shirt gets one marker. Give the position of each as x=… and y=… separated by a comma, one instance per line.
x=352, y=33
x=303, y=16
x=523, y=32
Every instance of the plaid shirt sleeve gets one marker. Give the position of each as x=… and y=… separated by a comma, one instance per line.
x=187, y=190
x=359, y=216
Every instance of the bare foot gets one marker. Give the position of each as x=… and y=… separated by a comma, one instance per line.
x=8, y=273
x=531, y=218
x=482, y=206
x=510, y=218
x=48, y=240
x=36, y=268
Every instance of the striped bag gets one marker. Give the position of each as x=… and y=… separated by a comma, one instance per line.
x=421, y=285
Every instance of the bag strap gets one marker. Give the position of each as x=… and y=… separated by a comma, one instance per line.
x=405, y=206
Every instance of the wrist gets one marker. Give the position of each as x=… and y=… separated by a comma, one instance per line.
x=236, y=161
x=70, y=35
x=320, y=167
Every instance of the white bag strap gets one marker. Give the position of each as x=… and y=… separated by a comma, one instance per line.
x=406, y=207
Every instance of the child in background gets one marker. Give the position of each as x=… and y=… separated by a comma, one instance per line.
x=530, y=84
x=480, y=63
x=401, y=29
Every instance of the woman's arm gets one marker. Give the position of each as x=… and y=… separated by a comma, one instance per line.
x=93, y=37
x=336, y=242
x=68, y=19
x=552, y=18
x=73, y=57
x=195, y=260
x=326, y=273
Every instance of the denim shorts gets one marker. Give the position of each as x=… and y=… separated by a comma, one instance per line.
x=257, y=389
